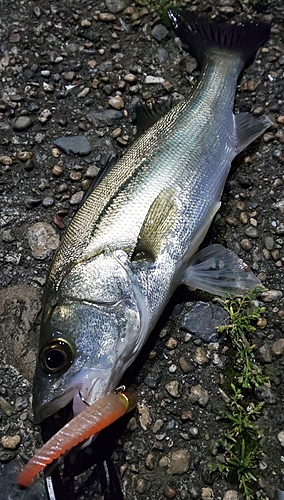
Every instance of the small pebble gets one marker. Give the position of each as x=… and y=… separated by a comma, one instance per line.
x=207, y=494
x=199, y=395
x=280, y=229
x=185, y=365
x=42, y=239
x=116, y=102
x=92, y=171
x=171, y=343
x=47, y=202
x=45, y=115
x=173, y=388
x=149, y=461
x=31, y=202
x=281, y=438
x=76, y=144
x=186, y=415
x=246, y=244
x=75, y=176
x=84, y=92
x=159, y=32
x=144, y=415
x=140, y=486
x=6, y=407
x=266, y=354
x=76, y=198
x=278, y=347
x=231, y=495
x=153, y=79
x=69, y=76
x=169, y=491
x=57, y=170
x=200, y=356
x=21, y=123
x=85, y=23
x=106, y=17
x=6, y=160
x=244, y=217
x=10, y=442
x=25, y=155
x=179, y=462
x=264, y=393
x=130, y=78
x=271, y=295
x=194, y=431
x=252, y=232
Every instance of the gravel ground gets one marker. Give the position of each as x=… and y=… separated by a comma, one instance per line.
x=71, y=68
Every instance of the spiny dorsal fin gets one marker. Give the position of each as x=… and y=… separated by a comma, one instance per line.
x=111, y=161
x=147, y=116
x=157, y=226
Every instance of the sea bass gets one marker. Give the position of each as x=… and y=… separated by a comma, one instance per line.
x=135, y=238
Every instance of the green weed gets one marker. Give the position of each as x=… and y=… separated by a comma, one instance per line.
x=241, y=449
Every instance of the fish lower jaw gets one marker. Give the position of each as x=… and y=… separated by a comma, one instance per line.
x=93, y=385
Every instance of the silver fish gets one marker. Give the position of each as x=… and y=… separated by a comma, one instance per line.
x=135, y=238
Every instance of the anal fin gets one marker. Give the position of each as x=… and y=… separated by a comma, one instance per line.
x=248, y=128
x=219, y=271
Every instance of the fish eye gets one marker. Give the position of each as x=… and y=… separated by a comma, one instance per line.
x=57, y=356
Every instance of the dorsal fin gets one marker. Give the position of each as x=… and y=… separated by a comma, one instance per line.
x=111, y=161
x=157, y=226
x=147, y=116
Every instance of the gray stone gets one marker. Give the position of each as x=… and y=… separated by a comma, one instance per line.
x=281, y=438
x=269, y=242
x=185, y=364
x=179, y=462
x=199, y=395
x=251, y=232
x=278, y=347
x=271, y=295
x=4, y=405
x=76, y=198
x=115, y=6
x=203, y=319
x=173, y=388
x=152, y=379
x=231, y=495
x=43, y=240
x=159, y=32
x=19, y=307
x=264, y=393
x=162, y=54
x=102, y=118
x=31, y=202
x=47, y=202
x=21, y=122
x=76, y=144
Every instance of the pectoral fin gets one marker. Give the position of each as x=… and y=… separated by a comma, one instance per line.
x=249, y=128
x=157, y=226
x=220, y=271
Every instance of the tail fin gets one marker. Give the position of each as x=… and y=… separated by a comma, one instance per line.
x=198, y=35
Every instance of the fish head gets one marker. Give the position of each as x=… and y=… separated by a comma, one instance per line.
x=86, y=345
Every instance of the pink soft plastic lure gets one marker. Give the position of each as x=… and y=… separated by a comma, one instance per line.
x=90, y=421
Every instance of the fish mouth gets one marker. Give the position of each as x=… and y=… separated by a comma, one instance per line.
x=84, y=389
x=51, y=408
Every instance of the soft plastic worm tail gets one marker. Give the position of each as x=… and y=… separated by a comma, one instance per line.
x=90, y=421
